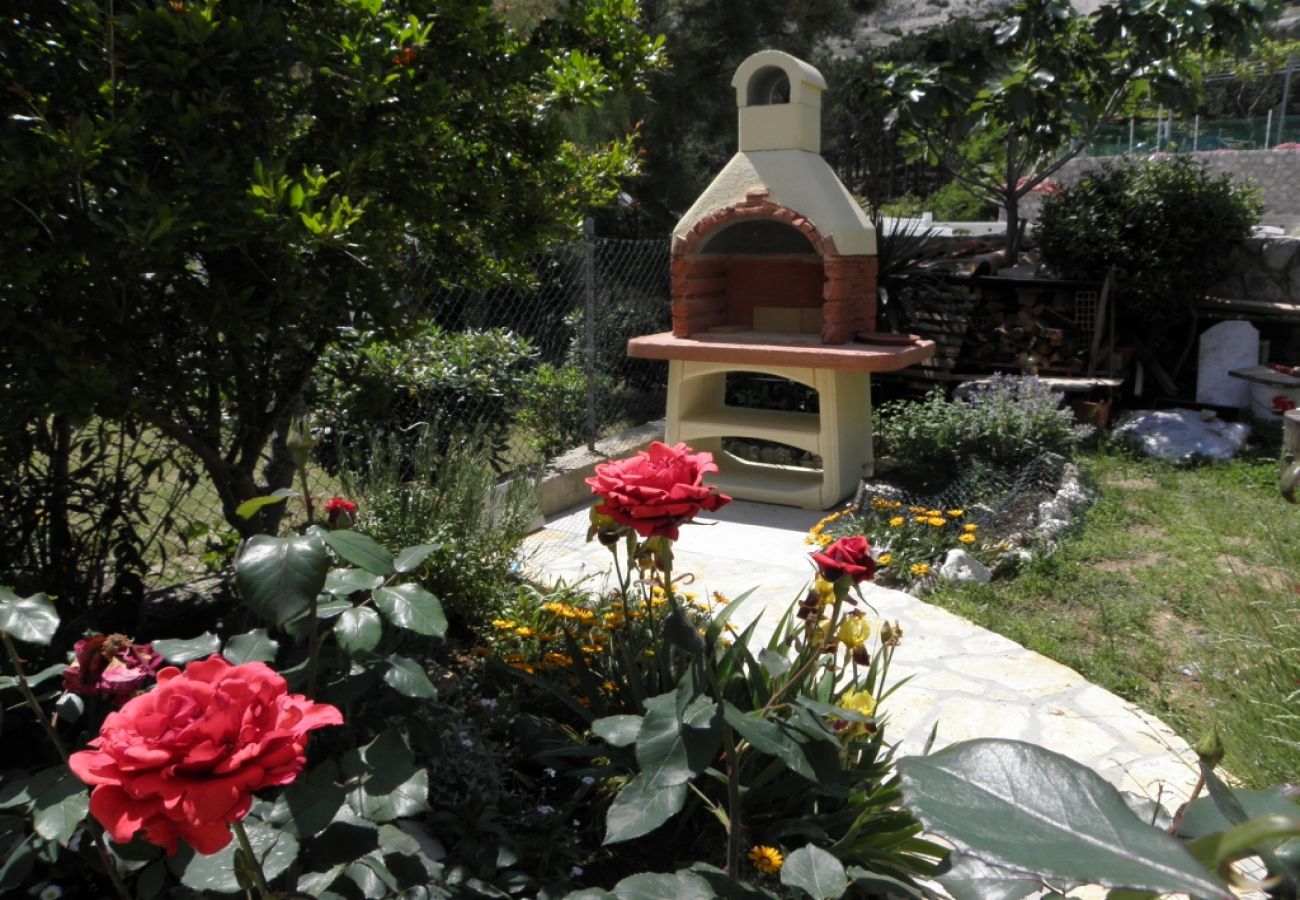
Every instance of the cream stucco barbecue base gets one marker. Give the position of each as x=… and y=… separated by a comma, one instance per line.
x=840, y=434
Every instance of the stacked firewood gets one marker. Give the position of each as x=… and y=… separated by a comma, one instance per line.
x=1035, y=331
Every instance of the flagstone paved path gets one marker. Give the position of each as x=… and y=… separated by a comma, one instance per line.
x=972, y=682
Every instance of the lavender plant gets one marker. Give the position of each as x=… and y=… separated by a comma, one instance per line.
x=1005, y=423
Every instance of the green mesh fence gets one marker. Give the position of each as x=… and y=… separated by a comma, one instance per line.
x=1186, y=136
x=997, y=501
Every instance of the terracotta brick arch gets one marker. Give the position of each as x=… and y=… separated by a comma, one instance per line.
x=702, y=292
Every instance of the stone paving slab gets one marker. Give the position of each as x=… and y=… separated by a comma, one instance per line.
x=972, y=682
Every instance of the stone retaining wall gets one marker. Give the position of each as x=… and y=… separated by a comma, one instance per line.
x=1275, y=172
x=1262, y=269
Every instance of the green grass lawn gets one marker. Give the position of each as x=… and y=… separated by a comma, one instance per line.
x=1182, y=593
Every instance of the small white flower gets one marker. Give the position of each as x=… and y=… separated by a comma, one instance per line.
x=545, y=810
x=577, y=823
x=488, y=703
x=575, y=872
x=51, y=892
x=587, y=779
x=550, y=773
x=466, y=743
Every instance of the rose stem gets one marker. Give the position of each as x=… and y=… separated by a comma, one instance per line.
x=110, y=866
x=255, y=865
x=313, y=629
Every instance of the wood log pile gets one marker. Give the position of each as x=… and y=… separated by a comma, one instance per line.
x=1032, y=330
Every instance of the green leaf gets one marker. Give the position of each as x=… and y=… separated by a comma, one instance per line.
x=411, y=607
x=968, y=878
x=180, y=652
x=412, y=558
x=360, y=550
x=668, y=749
x=348, y=581
x=1053, y=816
x=654, y=886
x=617, y=730
x=1203, y=817
x=358, y=630
x=274, y=848
x=680, y=632
x=639, y=809
x=307, y=807
x=776, y=738
x=60, y=807
x=387, y=783
x=815, y=871
x=32, y=619
x=278, y=577
x=1254, y=836
x=407, y=677
x=328, y=609
x=255, y=645
x=250, y=508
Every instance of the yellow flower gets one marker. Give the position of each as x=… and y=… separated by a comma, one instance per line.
x=480, y=651
x=559, y=659
x=896, y=522
x=916, y=510
x=859, y=702
x=503, y=624
x=825, y=590
x=937, y=521
x=920, y=569
x=921, y=520
x=854, y=631
x=956, y=513
x=608, y=686
x=967, y=538
x=880, y=503
x=767, y=860
x=933, y=512
x=524, y=667
x=825, y=540
x=525, y=632
x=971, y=528
x=885, y=559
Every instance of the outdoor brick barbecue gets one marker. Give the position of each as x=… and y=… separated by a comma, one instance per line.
x=774, y=271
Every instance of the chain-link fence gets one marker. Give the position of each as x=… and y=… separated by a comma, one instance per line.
x=536, y=367
x=1000, y=502
x=1170, y=135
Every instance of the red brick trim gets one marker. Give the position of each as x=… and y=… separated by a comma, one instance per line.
x=757, y=206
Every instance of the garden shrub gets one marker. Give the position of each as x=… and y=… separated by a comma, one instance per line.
x=1164, y=225
x=1005, y=424
x=554, y=407
x=447, y=496
x=434, y=383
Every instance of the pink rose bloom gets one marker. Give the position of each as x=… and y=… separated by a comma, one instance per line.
x=110, y=665
x=656, y=491
x=181, y=762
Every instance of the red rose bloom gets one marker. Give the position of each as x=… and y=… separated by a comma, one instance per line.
x=847, y=556
x=181, y=762
x=110, y=665
x=654, y=492
x=341, y=512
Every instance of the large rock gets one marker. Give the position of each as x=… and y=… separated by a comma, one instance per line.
x=959, y=565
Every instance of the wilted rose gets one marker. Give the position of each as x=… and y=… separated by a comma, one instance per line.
x=110, y=666
x=181, y=762
x=654, y=492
